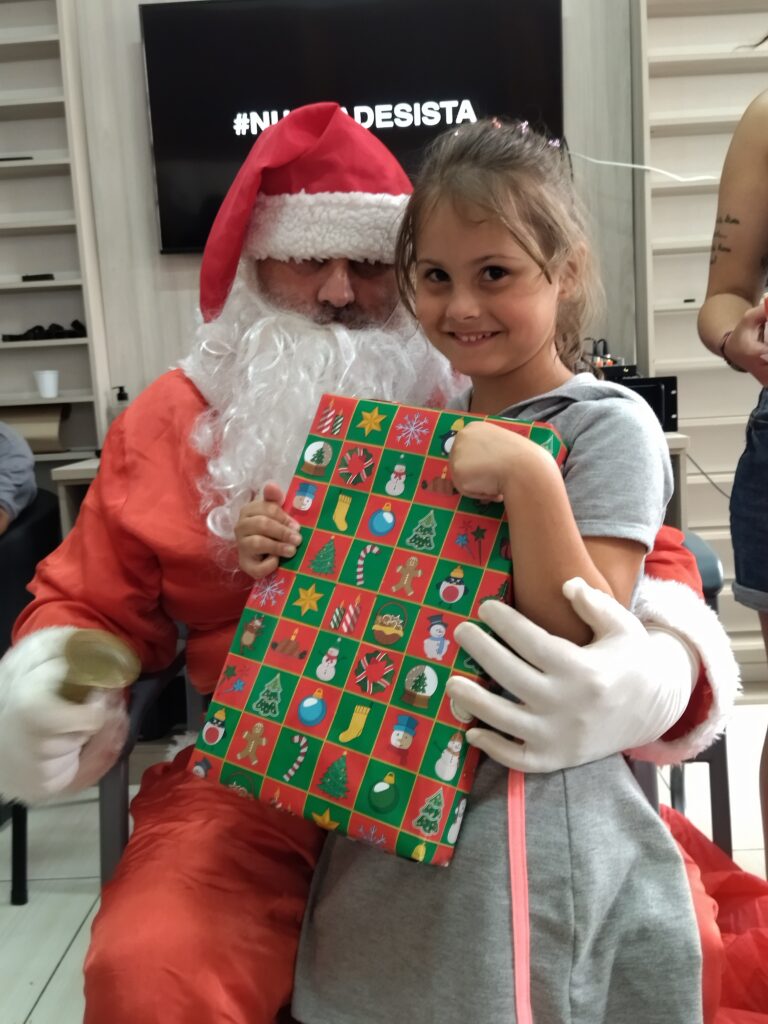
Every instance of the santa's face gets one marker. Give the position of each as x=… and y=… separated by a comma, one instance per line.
x=349, y=292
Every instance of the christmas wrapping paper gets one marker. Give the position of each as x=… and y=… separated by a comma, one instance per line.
x=332, y=702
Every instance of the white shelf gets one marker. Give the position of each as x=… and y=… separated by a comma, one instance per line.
x=684, y=188
x=686, y=8
x=698, y=60
x=682, y=123
x=676, y=366
x=712, y=421
x=52, y=223
x=677, y=307
x=43, y=163
x=29, y=43
x=28, y=103
x=73, y=455
x=681, y=246
x=61, y=281
x=32, y=398
x=22, y=346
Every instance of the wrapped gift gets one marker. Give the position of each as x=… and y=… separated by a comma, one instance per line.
x=332, y=703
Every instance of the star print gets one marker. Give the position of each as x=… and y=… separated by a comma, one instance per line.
x=325, y=820
x=307, y=599
x=371, y=421
x=229, y=671
x=479, y=533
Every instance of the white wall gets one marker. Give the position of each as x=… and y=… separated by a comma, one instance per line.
x=149, y=300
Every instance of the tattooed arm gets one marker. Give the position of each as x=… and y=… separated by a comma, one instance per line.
x=739, y=261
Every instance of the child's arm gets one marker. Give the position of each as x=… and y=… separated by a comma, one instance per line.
x=265, y=533
x=546, y=546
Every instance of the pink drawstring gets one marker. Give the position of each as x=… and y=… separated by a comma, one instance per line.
x=518, y=883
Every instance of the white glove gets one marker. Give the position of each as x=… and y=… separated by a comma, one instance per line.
x=579, y=704
x=41, y=734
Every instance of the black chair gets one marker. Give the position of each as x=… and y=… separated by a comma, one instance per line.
x=29, y=538
x=711, y=572
x=716, y=756
x=113, y=787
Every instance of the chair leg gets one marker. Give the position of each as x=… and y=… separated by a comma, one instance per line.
x=19, y=895
x=113, y=817
x=719, y=796
x=677, y=787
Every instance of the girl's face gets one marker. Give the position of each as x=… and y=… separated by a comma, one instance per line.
x=485, y=304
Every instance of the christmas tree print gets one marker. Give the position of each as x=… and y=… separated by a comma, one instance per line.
x=268, y=701
x=428, y=820
x=419, y=685
x=334, y=781
x=423, y=534
x=324, y=561
x=318, y=456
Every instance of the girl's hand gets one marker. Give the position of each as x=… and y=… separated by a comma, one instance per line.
x=484, y=458
x=746, y=346
x=265, y=533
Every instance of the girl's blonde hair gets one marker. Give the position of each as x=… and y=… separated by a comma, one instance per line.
x=522, y=180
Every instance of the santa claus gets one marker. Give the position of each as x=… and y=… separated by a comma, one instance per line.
x=297, y=298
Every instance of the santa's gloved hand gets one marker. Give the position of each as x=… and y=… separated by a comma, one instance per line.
x=579, y=704
x=42, y=736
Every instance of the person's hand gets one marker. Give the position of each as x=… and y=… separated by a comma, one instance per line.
x=746, y=345
x=42, y=735
x=265, y=534
x=484, y=457
x=579, y=704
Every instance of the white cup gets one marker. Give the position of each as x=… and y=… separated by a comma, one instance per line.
x=47, y=382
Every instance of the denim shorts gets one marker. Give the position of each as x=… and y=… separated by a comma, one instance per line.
x=749, y=513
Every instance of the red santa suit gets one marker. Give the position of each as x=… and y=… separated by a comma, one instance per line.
x=139, y=560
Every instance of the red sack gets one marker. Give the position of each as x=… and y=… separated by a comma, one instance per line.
x=741, y=916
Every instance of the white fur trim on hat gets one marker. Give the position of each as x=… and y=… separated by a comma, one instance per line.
x=676, y=607
x=326, y=225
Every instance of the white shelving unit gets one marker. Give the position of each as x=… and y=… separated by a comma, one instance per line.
x=46, y=226
x=701, y=68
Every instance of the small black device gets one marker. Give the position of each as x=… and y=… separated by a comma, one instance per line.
x=661, y=394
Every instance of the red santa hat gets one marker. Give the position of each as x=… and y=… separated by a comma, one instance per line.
x=316, y=185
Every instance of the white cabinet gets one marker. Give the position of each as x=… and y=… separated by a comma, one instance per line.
x=46, y=228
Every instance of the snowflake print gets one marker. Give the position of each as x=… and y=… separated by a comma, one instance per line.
x=269, y=591
x=371, y=835
x=412, y=430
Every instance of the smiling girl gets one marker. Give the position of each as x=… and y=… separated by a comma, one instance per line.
x=494, y=260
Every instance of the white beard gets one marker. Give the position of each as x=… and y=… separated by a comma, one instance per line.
x=263, y=371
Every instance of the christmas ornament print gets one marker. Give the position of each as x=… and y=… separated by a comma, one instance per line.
x=382, y=521
x=384, y=795
x=313, y=710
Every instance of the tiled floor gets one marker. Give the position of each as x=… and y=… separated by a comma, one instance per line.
x=42, y=945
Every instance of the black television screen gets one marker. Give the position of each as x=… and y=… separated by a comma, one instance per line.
x=219, y=71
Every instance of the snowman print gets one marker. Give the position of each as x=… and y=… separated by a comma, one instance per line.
x=448, y=763
x=326, y=670
x=396, y=483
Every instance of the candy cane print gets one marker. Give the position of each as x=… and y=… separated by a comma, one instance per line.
x=369, y=549
x=303, y=747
